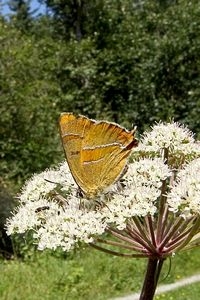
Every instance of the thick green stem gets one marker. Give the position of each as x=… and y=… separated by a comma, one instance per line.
x=151, y=278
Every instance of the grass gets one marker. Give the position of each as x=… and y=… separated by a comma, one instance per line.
x=89, y=274
x=189, y=292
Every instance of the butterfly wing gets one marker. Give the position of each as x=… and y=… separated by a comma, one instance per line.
x=105, y=152
x=96, y=151
x=72, y=130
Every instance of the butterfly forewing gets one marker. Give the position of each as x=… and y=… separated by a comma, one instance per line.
x=72, y=130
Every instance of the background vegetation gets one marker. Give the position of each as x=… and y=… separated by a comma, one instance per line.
x=89, y=275
x=133, y=62
x=128, y=61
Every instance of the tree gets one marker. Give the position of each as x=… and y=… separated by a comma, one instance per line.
x=134, y=65
x=75, y=17
x=22, y=14
x=28, y=97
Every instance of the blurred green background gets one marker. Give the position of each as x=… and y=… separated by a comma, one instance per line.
x=129, y=61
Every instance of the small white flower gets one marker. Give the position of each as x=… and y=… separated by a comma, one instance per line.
x=147, y=171
x=26, y=217
x=40, y=185
x=68, y=228
x=170, y=135
x=184, y=196
x=140, y=193
x=174, y=138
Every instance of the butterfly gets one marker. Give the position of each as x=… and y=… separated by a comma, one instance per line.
x=96, y=151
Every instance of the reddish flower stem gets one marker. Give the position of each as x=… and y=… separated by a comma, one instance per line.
x=151, y=278
x=117, y=253
x=149, y=224
x=171, y=232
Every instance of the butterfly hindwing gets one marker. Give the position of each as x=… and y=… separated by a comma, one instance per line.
x=96, y=151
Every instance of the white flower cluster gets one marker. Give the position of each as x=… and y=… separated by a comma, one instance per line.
x=177, y=139
x=55, y=225
x=136, y=194
x=36, y=194
x=184, y=196
x=26, y=216
x=140, y=193
x=68, y=228
x=169, y=135
x=39, y=185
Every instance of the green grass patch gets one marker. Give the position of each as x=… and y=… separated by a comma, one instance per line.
x=87, y=274
x=189, y=292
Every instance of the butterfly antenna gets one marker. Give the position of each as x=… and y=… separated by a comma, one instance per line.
x=50, y=181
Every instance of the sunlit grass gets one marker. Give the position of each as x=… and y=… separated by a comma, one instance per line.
x=89, y=274
x=189, y=292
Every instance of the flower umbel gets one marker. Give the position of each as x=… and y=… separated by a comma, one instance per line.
x=176, y=138
x=152, y=211
x=141, y=189
x=151, y=201
x=184, y=197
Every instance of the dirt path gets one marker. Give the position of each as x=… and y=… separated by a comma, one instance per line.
x=166, y=287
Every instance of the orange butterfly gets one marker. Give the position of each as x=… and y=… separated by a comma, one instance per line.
x=96, y=151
